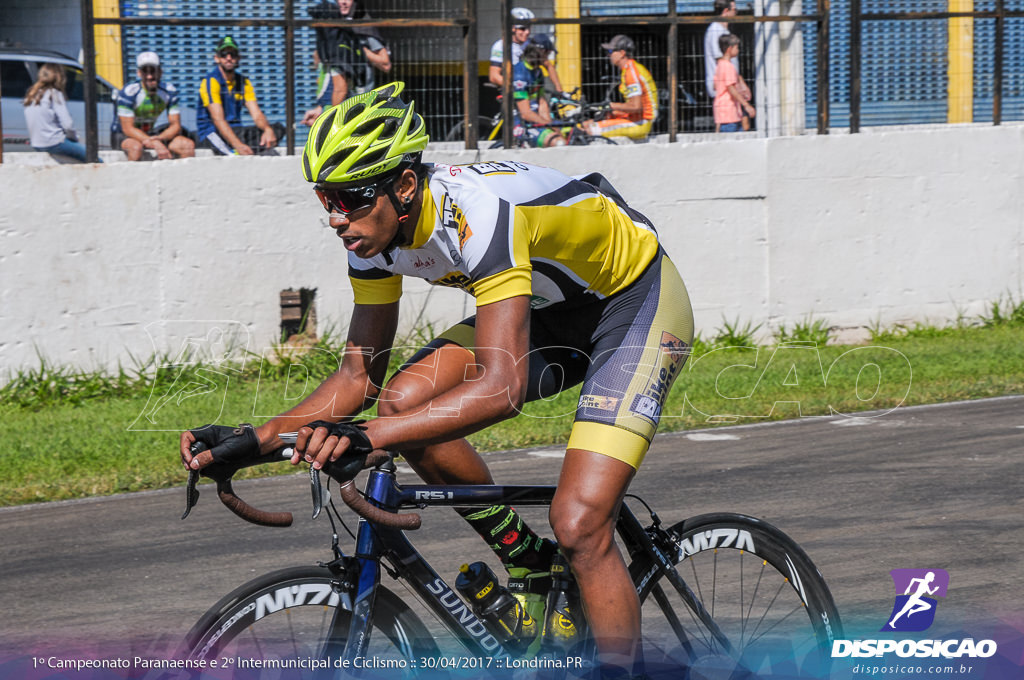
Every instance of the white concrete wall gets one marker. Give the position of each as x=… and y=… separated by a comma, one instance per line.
x=97, y=261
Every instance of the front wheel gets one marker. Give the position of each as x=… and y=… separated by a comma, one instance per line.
x=773, y=611
x=287, y=616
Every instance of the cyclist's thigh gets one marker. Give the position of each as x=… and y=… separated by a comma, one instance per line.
x=555, y=363
x=642, y=342
x=437, y=367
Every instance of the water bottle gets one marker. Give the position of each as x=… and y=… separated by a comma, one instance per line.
x=502, y=613
x=560, y=630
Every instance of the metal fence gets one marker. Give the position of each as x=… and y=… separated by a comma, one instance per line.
x=848, y=63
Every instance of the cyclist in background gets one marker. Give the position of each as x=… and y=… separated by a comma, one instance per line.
x=635, y=114
x=571, y=286
x=139, y=105
x=531, y=106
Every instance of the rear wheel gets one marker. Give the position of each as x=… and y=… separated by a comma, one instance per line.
x=458, y=131
x=287, y=616
x=755, y=584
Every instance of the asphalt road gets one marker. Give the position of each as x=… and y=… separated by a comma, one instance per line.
x=921, y=487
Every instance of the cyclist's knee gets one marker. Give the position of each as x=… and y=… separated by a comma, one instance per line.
x=582, y=533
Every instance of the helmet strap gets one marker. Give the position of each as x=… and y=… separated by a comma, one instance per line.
x=402, y=209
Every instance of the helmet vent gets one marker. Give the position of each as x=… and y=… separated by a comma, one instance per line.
x=354, y=112
x=371, y=159
x=334, y=161
x=390, y=128
x=325, y=128
x=368, y=127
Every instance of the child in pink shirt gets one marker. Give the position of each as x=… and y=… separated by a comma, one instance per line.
x=729, y=103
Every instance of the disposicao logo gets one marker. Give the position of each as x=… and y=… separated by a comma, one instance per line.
x=916, y=590
x=914, y=611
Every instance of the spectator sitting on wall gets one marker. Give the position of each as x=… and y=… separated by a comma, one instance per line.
x=139, y=105
x=346, y=57
x=50, y=127
x=222, y=94
x=634, y=115
x=713, y=52
x=520, y=36
x=532, y=107
x=730, y=104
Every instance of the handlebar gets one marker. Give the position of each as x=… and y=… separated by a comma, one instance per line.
x=222, y=473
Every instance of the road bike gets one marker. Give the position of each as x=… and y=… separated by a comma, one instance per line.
x=723, y=595
x=568, y=115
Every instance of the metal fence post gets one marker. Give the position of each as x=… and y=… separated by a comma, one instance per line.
x=673, y=72
x=289, y=73
x=506, y=70
x=997, y=76
x=824, y=13
x=89, y=86
x=470, y=81
x=855, y=43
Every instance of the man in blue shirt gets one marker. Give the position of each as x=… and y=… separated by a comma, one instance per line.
x=139, y=105
x=223, y=92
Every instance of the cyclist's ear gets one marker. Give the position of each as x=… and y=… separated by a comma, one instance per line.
x=406, y=185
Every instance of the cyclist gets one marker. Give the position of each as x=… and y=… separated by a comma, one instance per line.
x=571, y=286
x=633, y=116
x=531, y=106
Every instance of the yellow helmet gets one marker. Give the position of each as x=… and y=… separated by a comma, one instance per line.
x=365, y=136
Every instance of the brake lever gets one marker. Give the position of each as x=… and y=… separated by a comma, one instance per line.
x=316, y=488
x=191, y=492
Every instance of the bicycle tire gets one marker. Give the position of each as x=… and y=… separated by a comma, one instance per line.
x=587, y=140
x=457, y=131
x=781, y=615
x=286, y=615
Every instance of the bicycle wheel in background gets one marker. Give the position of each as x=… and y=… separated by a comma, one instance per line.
x=756, y=584
x=585, y=139
x=458, y=132
x=287, y=614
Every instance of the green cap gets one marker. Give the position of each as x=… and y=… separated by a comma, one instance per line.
x=227, y=42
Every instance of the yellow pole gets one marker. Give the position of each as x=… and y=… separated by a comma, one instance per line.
x=961, y=64
x=108, y=42
x=567, y=40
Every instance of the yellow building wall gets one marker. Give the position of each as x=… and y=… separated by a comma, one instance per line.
x=108, y=42
x=961, y=64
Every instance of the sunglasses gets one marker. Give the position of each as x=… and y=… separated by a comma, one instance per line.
x=150, y=69
x=347, y=201
x=228, y=53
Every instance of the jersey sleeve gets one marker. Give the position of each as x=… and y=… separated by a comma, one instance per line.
x=173, y=100
x=630, y=85
x=209, y=91
x=250, y=93
x=372, y=285
x=125, y=103
x=497, y=53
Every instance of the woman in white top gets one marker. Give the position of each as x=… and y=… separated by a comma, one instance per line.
x=50, y=127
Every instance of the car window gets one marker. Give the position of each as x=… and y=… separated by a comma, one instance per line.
x=15, y=78
x=74, y=89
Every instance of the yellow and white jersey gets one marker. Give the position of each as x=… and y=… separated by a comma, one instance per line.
x=503, y=229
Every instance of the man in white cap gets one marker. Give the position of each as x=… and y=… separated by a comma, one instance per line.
x=139, y=105
x=520, y=34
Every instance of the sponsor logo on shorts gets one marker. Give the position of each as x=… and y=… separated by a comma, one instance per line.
x=674, y=348
x=646, y=407
x=599, y=402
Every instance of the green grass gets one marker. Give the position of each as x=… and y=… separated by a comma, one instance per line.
x=70, y=434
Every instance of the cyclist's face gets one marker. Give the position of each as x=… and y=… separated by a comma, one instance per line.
x=366, y=231
x=520, y=34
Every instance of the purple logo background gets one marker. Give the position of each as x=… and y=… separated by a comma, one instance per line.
x=915, y=605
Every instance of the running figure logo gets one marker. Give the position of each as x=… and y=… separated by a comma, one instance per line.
x=915, y=605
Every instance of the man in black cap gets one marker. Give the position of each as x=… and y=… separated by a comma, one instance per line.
x=223, y=92
x=634, y=115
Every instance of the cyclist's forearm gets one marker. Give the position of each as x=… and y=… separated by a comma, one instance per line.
x=342, y=395
x=466, y=409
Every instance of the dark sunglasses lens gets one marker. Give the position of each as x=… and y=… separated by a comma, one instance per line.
x=149, y=70
x=229, y=53
x=346, y=201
